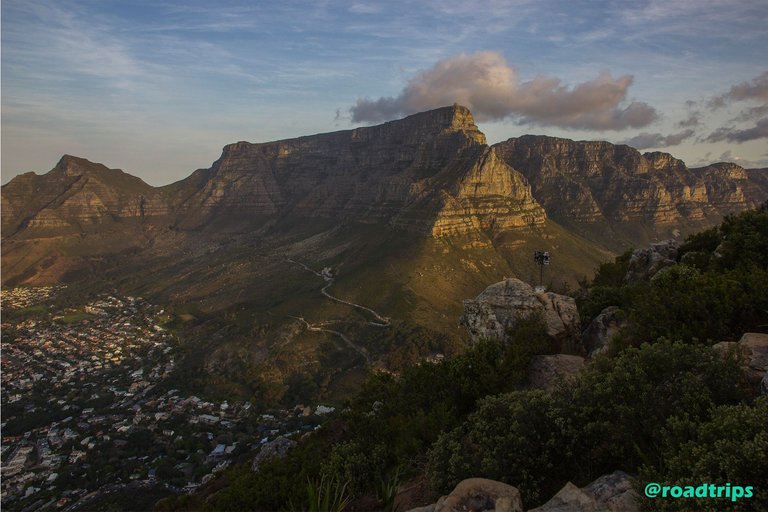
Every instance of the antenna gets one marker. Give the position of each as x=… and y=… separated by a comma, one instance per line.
x=541, y=258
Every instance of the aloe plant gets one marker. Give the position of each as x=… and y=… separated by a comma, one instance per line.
x=327, y=495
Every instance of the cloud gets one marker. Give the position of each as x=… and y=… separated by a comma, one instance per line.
x=693, y=120
x=752, y=113
x=756, y=89
x=485, y=83
x=728, y=156
x=731, y=134
x=657, y=140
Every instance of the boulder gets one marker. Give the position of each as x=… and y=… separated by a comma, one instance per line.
x=615, y=491
x=500, y=306
x=546, y=371
x=480, y=494
x=597, y=337
x=570, y=499
x=609, y=493
x=754, y=346
x=278, y=448
x=645, y=263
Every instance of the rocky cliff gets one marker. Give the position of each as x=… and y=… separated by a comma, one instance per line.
x=615, y=186
x=429, y=172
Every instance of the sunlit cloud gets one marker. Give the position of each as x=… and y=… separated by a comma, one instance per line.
x=492, y=89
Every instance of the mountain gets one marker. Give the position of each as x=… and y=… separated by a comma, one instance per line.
x=408, y=218
x=622, y=197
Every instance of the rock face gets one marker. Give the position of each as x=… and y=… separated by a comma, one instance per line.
x=501, y=305
x=597, y=337
x=609, y=493
x=753, y=350
x=479, y=495
x=278, y=448
x=619, y=189
x=546, y=371
x=645, y=263
x=431, y=173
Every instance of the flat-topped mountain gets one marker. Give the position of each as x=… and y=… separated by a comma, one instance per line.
x=407, y=218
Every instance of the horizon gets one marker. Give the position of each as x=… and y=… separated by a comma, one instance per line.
x=158, y=90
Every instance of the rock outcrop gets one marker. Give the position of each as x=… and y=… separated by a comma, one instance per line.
x=609, y=493
x=596, y=338
x=500, y=306
x=752, y=348
x=277, y=448
x=479, y=495
x=546, y=371
x=646, y=262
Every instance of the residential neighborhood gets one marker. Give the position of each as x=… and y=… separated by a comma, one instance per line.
x=87, y=409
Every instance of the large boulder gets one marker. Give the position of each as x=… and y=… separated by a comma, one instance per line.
x=645, y=263
x=278, y=448
x=478, y=495
x=544, y=372
x=752, y=348
x=596, y=338
x=609, y=493
x=500, y=306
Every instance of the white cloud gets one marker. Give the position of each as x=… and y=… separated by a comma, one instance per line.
x=492, y=89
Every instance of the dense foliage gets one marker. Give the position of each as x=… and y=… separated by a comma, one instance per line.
x=615, y=416
x=717, y=291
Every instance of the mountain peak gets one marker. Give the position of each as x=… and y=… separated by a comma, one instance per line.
x=446, y=119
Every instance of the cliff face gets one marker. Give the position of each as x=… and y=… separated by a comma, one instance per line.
x=413, y=174
x=598, y=182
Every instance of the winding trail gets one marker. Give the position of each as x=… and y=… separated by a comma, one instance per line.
x=315, y=328
x=327, y=276
x=382, y=321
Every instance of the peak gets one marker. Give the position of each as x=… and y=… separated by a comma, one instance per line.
x=75, y=166
x=446, y=119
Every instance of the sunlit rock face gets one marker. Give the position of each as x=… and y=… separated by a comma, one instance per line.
x=593, y=181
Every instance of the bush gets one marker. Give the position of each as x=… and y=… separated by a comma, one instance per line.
x=731, y=447
x=520, y=438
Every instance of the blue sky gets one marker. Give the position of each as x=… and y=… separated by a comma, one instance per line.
x=157, y=88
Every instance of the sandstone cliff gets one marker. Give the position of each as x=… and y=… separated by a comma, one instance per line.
x=619, y=189
x=429, y=173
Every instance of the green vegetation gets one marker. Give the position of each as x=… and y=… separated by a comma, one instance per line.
x=663, y=405
x=717, y=291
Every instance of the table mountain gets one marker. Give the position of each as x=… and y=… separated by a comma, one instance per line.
x=287, y=255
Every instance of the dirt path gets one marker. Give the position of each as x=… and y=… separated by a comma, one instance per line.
x=315, y=328
x=382, y=321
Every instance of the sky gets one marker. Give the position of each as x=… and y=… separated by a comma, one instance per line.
x=157, y=88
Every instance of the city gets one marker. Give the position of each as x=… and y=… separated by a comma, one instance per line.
x=87, y=408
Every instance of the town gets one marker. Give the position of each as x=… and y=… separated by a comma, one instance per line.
x=87, y=409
